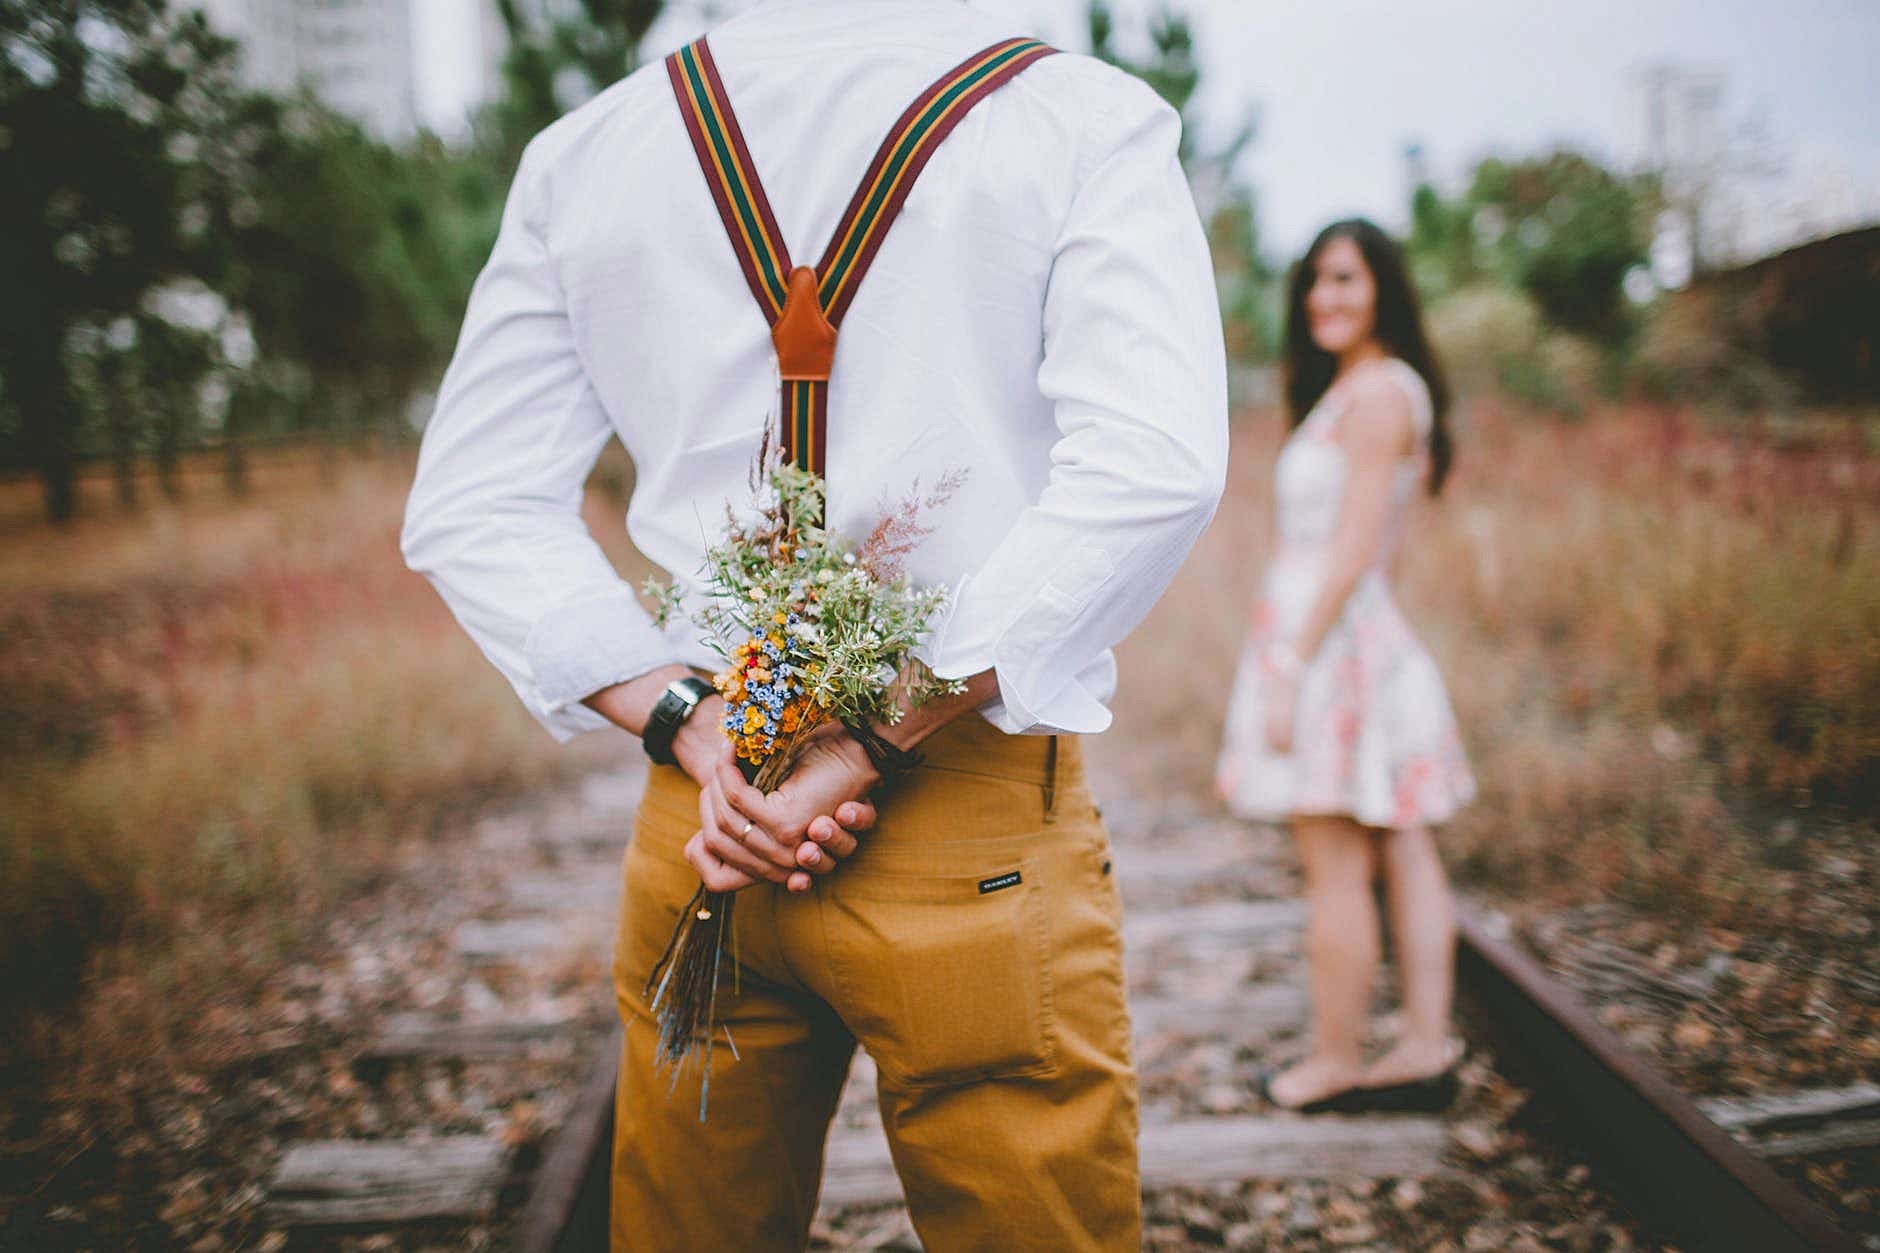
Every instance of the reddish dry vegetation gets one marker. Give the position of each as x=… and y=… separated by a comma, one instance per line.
x=221, y=718
x=1663, y=644
x=1660, y=640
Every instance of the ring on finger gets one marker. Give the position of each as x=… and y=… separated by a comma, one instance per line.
x=749, y=823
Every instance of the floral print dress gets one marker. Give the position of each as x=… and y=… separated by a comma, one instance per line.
x=1375, y=737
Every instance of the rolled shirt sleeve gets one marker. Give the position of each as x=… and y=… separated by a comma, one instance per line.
x=1134, y=366
x=493, y=518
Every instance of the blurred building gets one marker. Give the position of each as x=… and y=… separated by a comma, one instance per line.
x=395, y=65
x=356, y=55
x=1812, y=311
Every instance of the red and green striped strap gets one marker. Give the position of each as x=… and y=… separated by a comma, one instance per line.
x=752, y=228
x=731, y=175
x=900, y=159
x=805, y=422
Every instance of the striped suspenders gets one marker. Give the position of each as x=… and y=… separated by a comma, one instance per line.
x=804, y=306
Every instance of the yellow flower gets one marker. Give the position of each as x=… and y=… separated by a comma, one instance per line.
x=753, y=719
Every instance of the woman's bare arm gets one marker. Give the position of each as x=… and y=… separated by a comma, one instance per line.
x=1376, y=432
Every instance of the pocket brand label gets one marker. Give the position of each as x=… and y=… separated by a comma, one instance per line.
x=1010, y=878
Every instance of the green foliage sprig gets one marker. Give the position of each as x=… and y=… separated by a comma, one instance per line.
x=842, y=617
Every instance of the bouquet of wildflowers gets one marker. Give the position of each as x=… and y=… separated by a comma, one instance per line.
x=813, y=629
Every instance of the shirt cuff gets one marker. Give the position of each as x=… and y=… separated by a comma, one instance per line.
x=1037, y=694
x=585, y=645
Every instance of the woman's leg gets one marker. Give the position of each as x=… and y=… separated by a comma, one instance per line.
x=1423, y=932
x=1339, y=858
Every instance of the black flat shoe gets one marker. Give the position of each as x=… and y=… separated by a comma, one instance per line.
x=1430, y=1095
x=1344, y=1101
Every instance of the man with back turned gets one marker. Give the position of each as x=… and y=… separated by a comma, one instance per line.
x=1025, y=294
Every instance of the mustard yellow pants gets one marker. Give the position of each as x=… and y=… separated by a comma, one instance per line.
x=972, y=945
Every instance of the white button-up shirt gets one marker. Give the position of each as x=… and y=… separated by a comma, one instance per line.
x=1041, y=316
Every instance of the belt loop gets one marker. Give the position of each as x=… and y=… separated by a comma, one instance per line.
x=1050, y=778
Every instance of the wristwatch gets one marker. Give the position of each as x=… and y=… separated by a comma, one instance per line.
x=674, y=706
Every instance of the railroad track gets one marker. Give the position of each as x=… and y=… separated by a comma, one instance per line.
x=1206, y=969
x=1676, y=1161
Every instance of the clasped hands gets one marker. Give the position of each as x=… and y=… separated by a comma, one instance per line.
x=802, y=830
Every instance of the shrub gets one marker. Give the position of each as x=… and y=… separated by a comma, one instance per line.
x=1492, y=339
x=1693, y=350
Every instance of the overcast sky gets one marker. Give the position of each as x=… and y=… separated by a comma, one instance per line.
x=1343, y=85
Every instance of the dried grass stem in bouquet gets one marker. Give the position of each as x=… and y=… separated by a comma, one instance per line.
x=813, y=629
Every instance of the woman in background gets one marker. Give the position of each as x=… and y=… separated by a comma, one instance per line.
x=1339, y=723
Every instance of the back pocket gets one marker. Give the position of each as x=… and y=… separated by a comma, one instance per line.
x=944, y=978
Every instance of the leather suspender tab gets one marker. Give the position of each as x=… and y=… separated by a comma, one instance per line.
x=806, y=342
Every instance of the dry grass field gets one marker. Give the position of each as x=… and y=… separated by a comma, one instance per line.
x=222, y=717
x=1662, y=643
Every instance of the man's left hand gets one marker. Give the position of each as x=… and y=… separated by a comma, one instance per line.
x=804, y=828
x=822, y=804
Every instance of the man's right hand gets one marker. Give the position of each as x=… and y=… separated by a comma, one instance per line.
x=726, y=857
x=745, y=836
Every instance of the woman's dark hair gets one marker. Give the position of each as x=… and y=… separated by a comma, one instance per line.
x=1399, y=329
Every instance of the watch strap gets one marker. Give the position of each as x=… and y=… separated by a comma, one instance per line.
x=677, y=703
x=891, y=762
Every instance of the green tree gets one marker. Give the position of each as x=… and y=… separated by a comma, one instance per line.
x=1560, y=227
x=1441, y=245
x=553, y=66
x=336, y=269
x=126, y=160
x=1566, y=229
x=132, y=161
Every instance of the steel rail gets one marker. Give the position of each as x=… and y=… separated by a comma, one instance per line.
x=1678, y=1170
x=1685, y=1177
